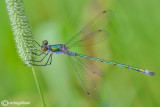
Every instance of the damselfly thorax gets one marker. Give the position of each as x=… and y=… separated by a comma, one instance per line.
x=54, y=49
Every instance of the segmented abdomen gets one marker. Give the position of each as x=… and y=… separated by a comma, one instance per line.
x=114, y=63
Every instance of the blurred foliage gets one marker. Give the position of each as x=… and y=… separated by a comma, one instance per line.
x=134, y=41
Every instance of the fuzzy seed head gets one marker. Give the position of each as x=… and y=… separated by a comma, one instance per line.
x=21, y=30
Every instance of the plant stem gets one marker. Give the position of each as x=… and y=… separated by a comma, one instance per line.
x=38, y=86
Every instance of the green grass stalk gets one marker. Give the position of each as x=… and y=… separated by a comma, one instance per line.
x=38, y=86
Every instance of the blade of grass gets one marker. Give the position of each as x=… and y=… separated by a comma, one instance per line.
x=38, y=86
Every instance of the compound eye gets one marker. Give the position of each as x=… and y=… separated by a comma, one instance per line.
x=45, y=42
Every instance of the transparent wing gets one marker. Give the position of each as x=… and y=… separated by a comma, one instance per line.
x=90, y=65
x=87, y=78
x=92, y=31
x=90, y=39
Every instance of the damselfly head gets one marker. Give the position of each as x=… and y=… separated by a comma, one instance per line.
x=45, y=42
x=44, y=46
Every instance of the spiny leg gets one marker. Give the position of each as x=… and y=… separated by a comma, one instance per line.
x=50, y=60
x=38, y=55
x=42, y=58
x=46, y=62
x=37, y=49
x=37, y=43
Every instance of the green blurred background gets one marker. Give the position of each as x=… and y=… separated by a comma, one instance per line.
x=134, y=40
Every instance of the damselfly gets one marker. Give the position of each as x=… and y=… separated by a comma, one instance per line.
x=83, y=63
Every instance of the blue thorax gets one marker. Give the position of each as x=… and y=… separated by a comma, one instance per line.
x=57, y=49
